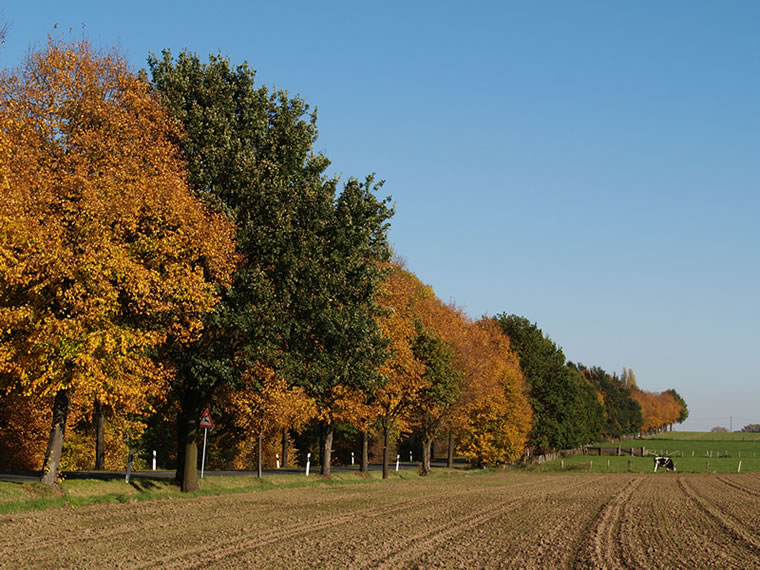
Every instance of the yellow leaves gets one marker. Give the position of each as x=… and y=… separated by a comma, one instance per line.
x=267, y=402
x=104, y=252
x=657, y=409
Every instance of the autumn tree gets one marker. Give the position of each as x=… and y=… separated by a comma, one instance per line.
x=400, y=293
x=629, y=379
x=262, y=406
x=658, y=410
x=490, y=393
x=493, y=413
x=684, y=409
x=105, y=257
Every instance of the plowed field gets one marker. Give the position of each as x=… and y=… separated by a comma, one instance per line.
x=661, y=520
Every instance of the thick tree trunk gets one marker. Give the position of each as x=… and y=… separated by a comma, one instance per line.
x=426, y=445
x=190, y=412
x=365, y=452
x=100, y=436
x=52, y=462
x=259, y=462
x=181, y=443
x=190, y=471
x=284, y=447
x=321, y=445
x=450, y=456
x=386, y=451
x=327, y=449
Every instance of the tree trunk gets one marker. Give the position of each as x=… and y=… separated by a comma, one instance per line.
x=190, y=471
x=190, y=413
x=327, y=449
x=181, y=443
x=386, y=438
x=259, y=447
x=100, y=436
x=450, y=456
x=365, y=452
x=284, y=447
x=427, y=443
x=54, y=450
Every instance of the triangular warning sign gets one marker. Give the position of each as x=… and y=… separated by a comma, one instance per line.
x=206, y=420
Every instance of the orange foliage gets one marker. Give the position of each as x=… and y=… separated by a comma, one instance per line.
x=104, y=253
x=24, y=428
x=268, y=404
x=657, y=409
x=492, y=411
x=400, y=295
x=495, y=414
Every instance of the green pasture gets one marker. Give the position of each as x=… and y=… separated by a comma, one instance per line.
x=706, y=436
x=623, y=464
x=692, y=452
x=698, y=445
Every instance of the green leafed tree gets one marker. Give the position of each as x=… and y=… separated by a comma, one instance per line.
x=566, y=412
x=302, y=299
x=622, y=413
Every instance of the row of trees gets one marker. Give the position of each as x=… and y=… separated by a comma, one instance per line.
x=170, y=241
x=574, y=405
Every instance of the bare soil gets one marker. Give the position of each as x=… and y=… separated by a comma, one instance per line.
x=661, y=520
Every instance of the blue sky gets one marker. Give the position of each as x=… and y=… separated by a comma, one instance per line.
x=591, y=165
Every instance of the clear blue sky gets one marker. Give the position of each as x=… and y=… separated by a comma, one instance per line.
x=592, y=166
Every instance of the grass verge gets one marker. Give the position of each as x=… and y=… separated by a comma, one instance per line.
x=22, y=497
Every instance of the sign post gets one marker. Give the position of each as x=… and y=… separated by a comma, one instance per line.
x=206, y=424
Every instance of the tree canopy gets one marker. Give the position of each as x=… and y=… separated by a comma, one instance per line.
x=104, y=253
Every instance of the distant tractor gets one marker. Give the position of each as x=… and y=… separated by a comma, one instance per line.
x=665, y=462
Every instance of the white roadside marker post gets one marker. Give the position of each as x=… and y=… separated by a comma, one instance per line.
x=129, y=464
x=398, y=457
x=308, y=463
x=352, y=458
x=277, y=459
x=154, y=460
x=410, y=456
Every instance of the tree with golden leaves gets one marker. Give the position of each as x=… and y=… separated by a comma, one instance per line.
x=400, y=294
x=265, y=404
x=495, y=416
x=492, y=413
x=104, y=254
x=658, y=410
